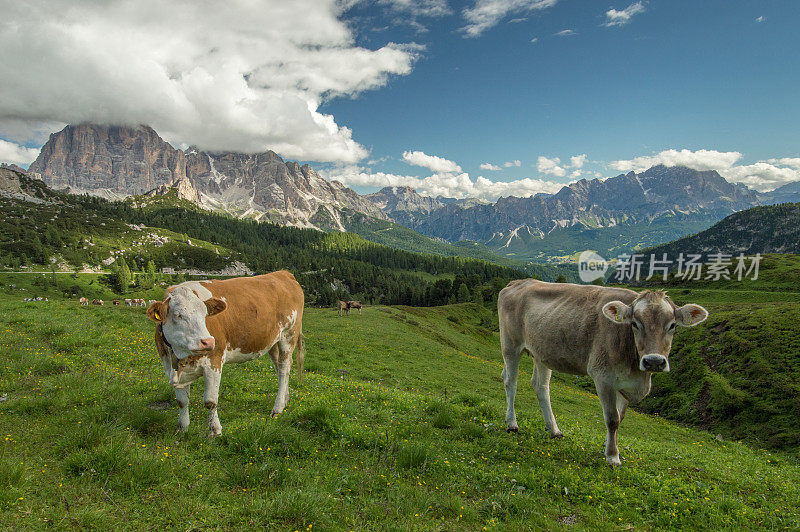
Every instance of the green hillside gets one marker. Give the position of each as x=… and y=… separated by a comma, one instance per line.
x=401, y=237
x=766, y=229
x=61, y=229
x=398, y=424
x=612, y=241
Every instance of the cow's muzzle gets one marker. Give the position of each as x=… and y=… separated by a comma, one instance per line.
x=206, y=345
x=654, y=363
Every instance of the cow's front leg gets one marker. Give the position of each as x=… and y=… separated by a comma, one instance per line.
x=281, y=355
x=213, y=377
x=608, y=399
x=182, y=396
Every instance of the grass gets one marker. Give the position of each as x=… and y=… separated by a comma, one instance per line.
x=398, y=424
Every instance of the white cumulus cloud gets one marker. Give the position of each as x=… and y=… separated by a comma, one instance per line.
x=431, y=162
x=620, y=18
x=15, y=154
x=515, y=162
x=490, y=167
x=485, y=14
x=235, y=75
x=553, y=166
x=549, y=166
x=451, y=185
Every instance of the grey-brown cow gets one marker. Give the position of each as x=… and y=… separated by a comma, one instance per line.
x=614, y=335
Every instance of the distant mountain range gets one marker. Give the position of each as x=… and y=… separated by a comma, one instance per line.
x=625, y=211
x=119, y=161
x=620, y=214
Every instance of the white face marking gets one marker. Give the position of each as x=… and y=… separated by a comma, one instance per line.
x=185, y=323
x=203, y=292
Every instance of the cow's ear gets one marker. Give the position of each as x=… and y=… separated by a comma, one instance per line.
x=215, y=306
x=690, y=315
x=617, y=311
x=157, y=311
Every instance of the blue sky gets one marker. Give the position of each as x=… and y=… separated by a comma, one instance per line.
x=679, y=75
x=478, y=98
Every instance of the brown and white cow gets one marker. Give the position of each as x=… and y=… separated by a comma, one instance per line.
x=614, y=335
x=116, y=302
x=354, y=304
x=202, y=325
x=83, y=301
x=97, y=302
x=342, y=308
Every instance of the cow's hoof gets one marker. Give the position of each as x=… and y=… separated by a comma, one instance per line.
x=276, y=413
x=613, y=461
x=214, y=433
x=556, y=435
x=512, y=429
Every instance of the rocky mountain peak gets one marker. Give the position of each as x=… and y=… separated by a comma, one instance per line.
x=117, y=161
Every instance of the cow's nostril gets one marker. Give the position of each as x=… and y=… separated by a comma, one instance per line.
x=207, y=343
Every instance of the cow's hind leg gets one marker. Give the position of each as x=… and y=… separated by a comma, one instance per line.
x=511, y=356
x=182, y=396
x=210, y=399
x=281, y=354
x=541, y=381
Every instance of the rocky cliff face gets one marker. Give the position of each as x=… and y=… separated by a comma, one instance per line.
x=120, y=159
x=117, y=161
x=660, y=191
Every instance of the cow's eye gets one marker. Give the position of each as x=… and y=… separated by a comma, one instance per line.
x=671, y=326
x=635, y=325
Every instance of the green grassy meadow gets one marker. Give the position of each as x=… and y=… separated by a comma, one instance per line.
x=398, y=424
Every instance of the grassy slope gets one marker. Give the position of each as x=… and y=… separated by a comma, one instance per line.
x=409, y=434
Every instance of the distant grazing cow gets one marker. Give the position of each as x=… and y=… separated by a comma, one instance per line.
x=203, y=325
x=129, y=302
x=614, y=335
x=97, y=302
x=354, y=304
x=116, y=302
x=342, y=308
x=83, y=301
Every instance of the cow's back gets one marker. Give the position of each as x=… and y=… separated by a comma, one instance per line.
x=258, y=309
x=561, y=323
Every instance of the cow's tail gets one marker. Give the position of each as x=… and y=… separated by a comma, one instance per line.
x=301, y=355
